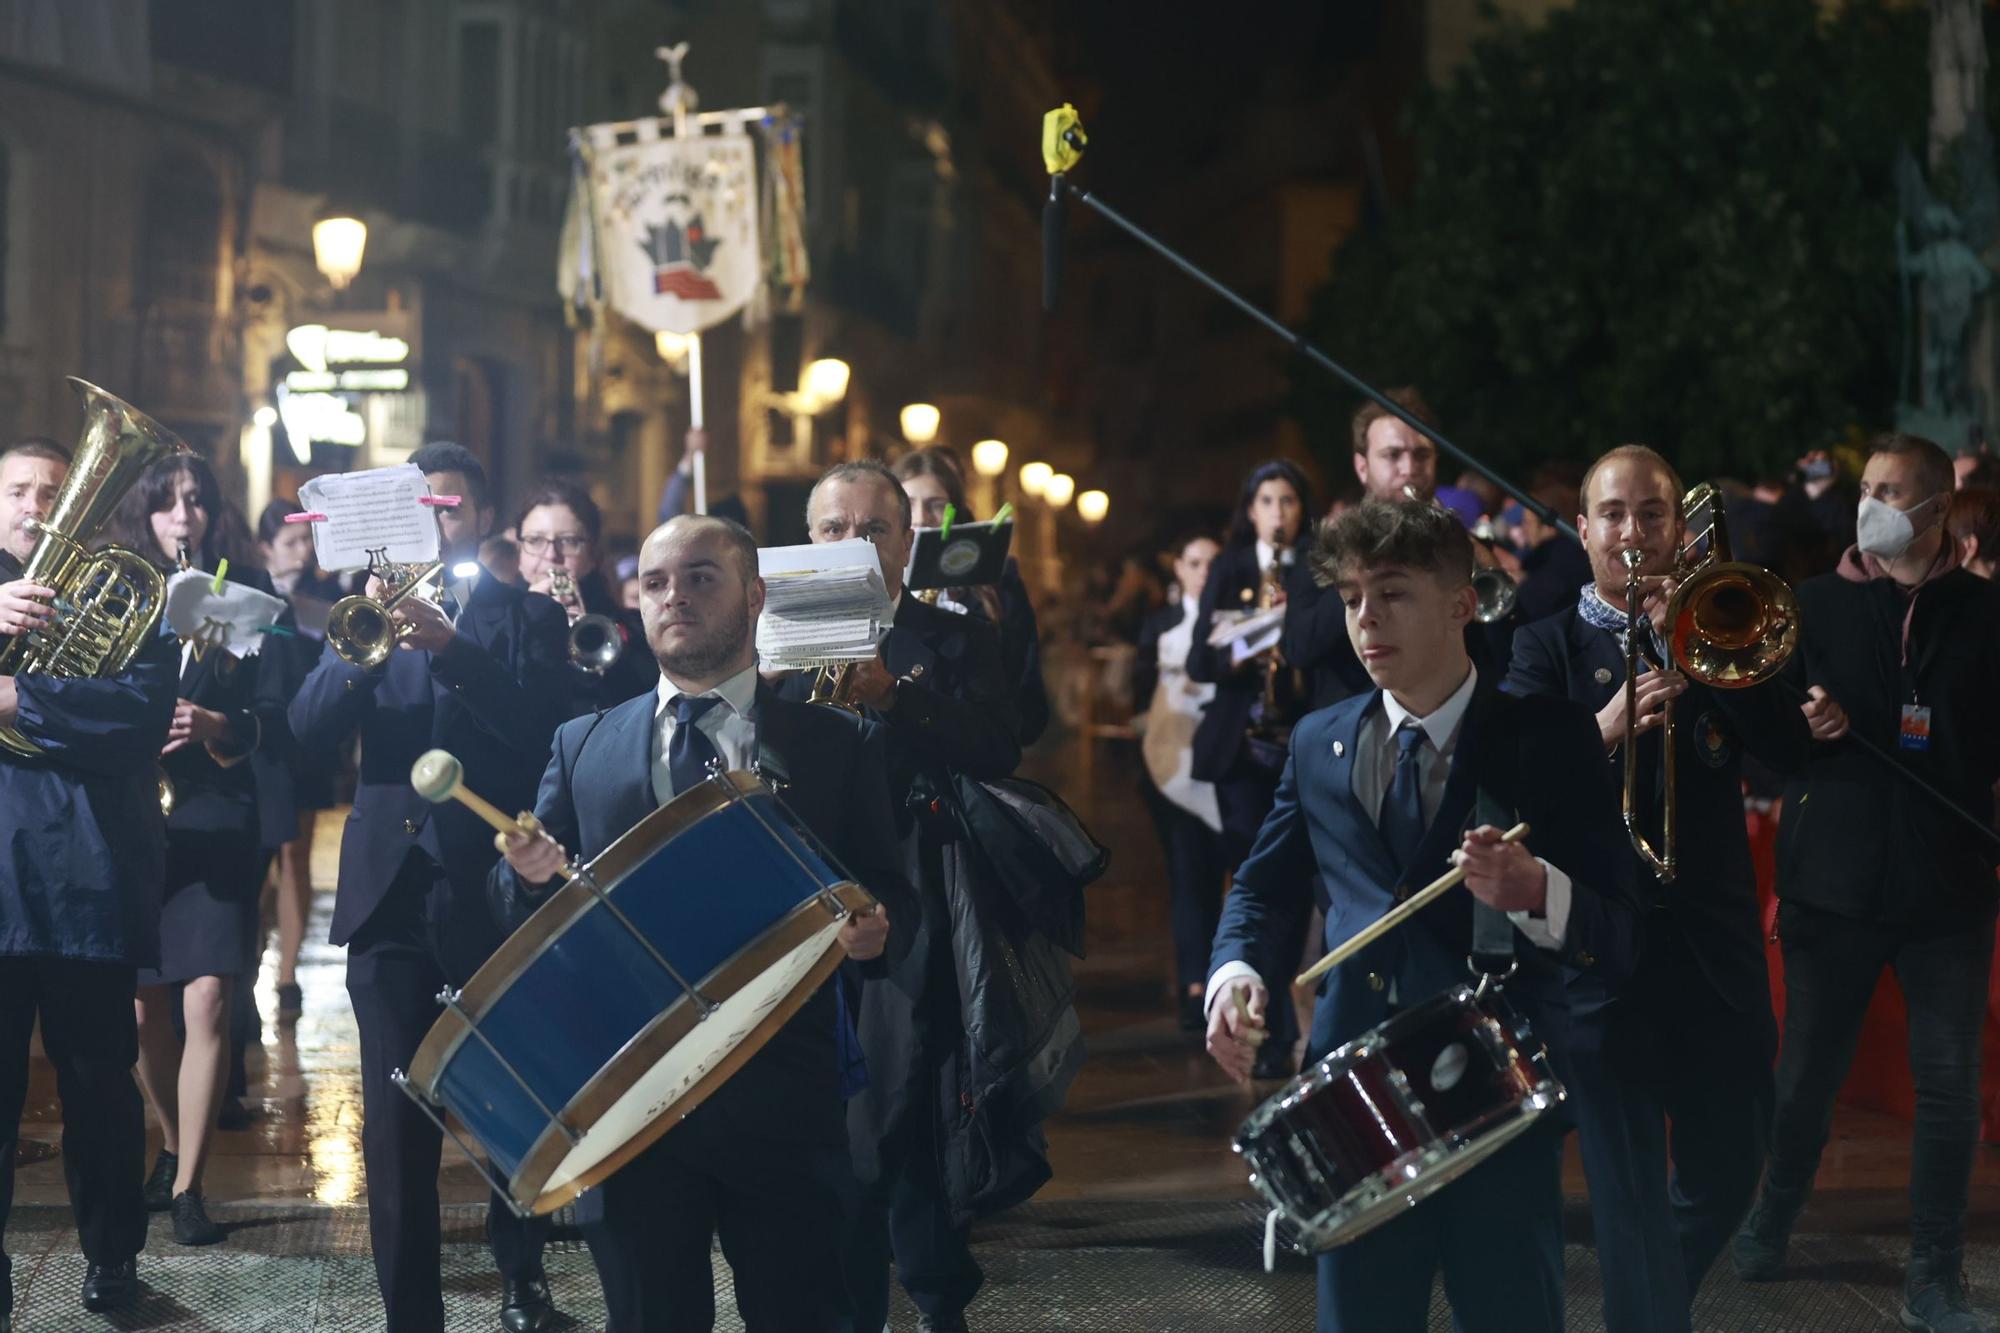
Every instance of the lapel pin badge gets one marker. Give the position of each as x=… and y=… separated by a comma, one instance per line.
x=1339, y=749
x=1602, y=675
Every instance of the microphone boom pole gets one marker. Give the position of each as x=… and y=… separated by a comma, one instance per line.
x=1062, y=147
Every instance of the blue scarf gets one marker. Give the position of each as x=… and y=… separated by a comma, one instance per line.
x=1600, y=614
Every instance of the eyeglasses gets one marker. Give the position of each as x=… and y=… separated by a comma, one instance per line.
x=569, y=543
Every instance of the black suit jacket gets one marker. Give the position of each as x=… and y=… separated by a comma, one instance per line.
x=1855, y=839
x=830, y=772
x=1219, y=736
x=1713, y=899
x=1534, y=757
x=493, y=699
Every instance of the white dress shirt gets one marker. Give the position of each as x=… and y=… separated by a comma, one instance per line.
x=1375, y=760
x=730, y=725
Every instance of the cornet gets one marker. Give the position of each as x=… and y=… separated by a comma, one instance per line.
x=1730, y=624
x=596, y=642
x=361, y=630
x=834, y=687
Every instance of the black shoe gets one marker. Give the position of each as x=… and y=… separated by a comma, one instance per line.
x=1758, y=1248
x=110, y=1286
x=160, y=1185
x=1194, y=1015
x=291, y=1000
x=233, y=1115
x=191, y=1221
x=527, y=1308
x=1273, y=1061
x=1934, y=1296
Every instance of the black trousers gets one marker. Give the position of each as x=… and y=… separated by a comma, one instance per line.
x=1832, y=965
x=778, y=1206
x=92, y=1040
x=1496, y=1234
x=1196, y=871
x=902, y=1212
x=394, y=974
x=1671, y=1092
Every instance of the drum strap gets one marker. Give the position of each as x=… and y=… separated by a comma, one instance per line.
x=1492, y=932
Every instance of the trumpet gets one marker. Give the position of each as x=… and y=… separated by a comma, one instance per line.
x=596, y=641
x=1730, y=624
x=361, y=629
x=1495, y=591
x=834, y=687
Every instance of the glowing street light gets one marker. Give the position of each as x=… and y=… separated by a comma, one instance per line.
x=989, y=458
x=920, y=423
x=1034, y=476
x=825, y=382
x=338, y=244
x=1058, y=489
x=1092, y=506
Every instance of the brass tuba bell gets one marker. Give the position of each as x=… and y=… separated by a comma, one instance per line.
x=108, y=602
x=361, y=630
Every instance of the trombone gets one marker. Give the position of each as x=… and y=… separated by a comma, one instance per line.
x=361, y=630
x=1730, y=624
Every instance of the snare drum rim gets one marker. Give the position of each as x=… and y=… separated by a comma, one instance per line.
x=564, y=908
x=644, y=1050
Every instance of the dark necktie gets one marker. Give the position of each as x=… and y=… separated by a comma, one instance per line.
x=1403, y=807
x=689, y=750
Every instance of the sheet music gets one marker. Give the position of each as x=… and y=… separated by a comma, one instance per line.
x=823, y=602
x=233, y=619
x=379, y=510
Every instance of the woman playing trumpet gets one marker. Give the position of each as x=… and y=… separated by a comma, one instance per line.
x=558, y=530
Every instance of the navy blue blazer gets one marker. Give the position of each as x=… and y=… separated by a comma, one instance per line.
x=1233, y=583
x=833, y=777
x=493, y=698
x=82, y=844
x=1538, y=758
x=1713, y=899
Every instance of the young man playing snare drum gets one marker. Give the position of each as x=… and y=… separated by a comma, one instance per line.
x=763, y=1162
x=1379, y=798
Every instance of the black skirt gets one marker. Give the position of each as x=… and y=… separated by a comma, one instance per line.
x=208, y=919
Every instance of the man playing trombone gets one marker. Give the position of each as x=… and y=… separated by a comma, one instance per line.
x=1689, y=1040
x=1380, y=794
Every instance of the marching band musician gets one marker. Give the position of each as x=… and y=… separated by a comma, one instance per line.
x=82, y=856
x=940, y=691
x=1377, y=793
x=559, y=529
x=482, y=676
x=1689, y=1039
x=1254, y=568
x=764, y=1161
x=933, y=481
x=228, y=709
x=1902, y=646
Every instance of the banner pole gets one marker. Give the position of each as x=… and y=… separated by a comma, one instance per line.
x=677, y=97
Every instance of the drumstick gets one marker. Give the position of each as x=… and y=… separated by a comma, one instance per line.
x=438, y=777
x=1397, y=915
x=1252, y=1031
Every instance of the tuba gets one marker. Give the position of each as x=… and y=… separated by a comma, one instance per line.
x=1730, y=625
x=360, y=630
x=107, y=602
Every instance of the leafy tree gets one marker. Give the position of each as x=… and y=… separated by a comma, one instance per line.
x=1666, y=221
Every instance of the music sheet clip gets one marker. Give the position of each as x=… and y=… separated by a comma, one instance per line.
x=305, y=518
x=439, y=501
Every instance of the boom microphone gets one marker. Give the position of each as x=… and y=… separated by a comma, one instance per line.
x=1052, y=240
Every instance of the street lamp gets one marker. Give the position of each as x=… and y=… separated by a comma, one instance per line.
x=825, y=382
x=1034, y=476
x=1092, y=506
x=1058, y=489
x=338, y=244
x=920, y=423
x=989, y=458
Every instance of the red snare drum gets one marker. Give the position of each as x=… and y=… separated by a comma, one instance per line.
x=1395, y=1115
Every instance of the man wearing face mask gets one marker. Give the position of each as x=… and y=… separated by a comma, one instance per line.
x=1901, y=646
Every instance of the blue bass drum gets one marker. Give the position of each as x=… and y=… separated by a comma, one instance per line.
x=636, y=990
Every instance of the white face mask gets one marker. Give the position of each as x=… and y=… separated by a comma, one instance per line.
x=1884, y=531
